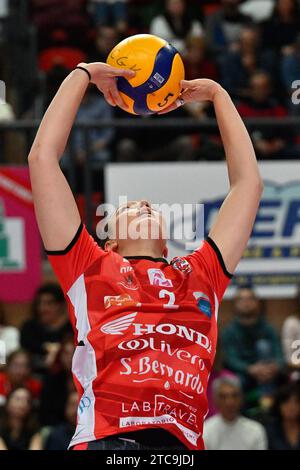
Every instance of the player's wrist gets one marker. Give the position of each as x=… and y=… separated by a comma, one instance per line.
x=84, y=68
x=217, y=90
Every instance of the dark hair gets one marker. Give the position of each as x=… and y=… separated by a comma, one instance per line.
x=50, y=288
x=283, y=395
x=16, y=353
x=57, y=365
x=187, y=21
x=245, y=287
x=30, y=424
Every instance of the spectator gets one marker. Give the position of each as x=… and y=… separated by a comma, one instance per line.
x=224, y=26
x=228, y=430
x=60, y=436
x=284, y=431
x=175, y=24
x=283, y=27
x=251, y=348
x=259, y=10
x=58, y=383
x=197, y=62
x=263, y=103
x=217, y=372
x=42, y=335
x=106, y=39
x=18, y=373
x=93, y=108
x=111, y=13
x=290, y=335
x=18, y=426
x=8, y=334
x=238, y=64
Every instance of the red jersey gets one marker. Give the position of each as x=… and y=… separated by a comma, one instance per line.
x=146, y=333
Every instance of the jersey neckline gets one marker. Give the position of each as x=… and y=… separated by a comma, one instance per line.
x=150, y=258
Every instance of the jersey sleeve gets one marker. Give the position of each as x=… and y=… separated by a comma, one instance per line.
x=70, y=263
x=208, y=259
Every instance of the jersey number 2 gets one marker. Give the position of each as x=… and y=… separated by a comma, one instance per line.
x=171, y=297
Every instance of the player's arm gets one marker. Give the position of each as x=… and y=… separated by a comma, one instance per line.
x=234, y=223
x=56, y=211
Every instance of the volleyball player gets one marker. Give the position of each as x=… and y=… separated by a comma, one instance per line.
x=145, y=329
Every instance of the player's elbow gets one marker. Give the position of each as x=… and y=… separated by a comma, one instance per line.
x=39, y=155
x=34, y=154
x=258, y=185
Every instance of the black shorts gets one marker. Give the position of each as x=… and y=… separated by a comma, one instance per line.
x=146, y=439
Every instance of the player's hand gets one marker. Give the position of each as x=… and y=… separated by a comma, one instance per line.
x=201, y=89
x=104, y=77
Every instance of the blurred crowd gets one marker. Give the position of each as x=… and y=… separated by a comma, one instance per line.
x=253, y=394
x=252, y=47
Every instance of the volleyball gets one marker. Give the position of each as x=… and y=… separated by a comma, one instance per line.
x=159, y=70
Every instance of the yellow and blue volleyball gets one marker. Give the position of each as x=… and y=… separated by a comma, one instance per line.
x=158, y=71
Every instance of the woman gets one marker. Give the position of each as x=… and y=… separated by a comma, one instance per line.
x=18, y=427
x=284, y=432
x=42, y=334
x=18, y=373
x=175, y=24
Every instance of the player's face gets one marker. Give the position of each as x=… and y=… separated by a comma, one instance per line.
x=139, y=220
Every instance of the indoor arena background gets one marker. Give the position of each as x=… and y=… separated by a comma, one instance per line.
x=252, y=48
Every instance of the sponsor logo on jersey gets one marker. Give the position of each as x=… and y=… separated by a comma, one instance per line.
x=164, y=410
x=118, y=300
x=203, y=303
x=116, y=327
x=182, y=265
x=157, y=278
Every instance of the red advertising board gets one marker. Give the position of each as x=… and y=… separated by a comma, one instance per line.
x=20, y=246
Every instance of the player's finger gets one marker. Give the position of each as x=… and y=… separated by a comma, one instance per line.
x=177, y=103
x=126, y=73
x=186, y=84
x=116, y=96
x=112, y=98
x=108, y=98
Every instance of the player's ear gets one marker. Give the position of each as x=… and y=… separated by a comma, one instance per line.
x=111, y=245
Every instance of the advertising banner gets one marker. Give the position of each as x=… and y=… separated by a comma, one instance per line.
x=20, y=248
x=271, y=262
